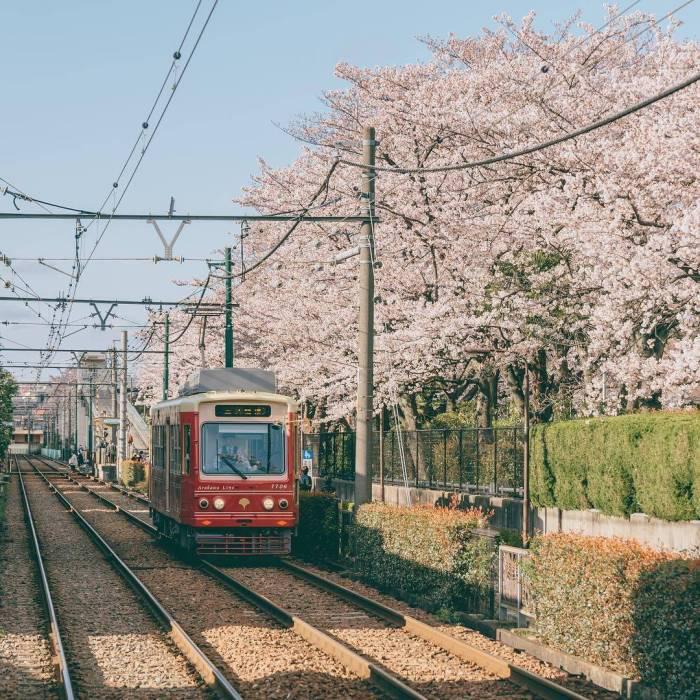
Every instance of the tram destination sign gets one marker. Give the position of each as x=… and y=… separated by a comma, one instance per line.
x=242, y=411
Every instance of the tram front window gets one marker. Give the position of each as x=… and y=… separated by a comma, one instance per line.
x=243, y=449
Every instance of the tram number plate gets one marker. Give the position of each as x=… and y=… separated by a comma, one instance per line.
x=242, y=411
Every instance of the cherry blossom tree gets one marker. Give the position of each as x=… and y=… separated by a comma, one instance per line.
x=579, y=261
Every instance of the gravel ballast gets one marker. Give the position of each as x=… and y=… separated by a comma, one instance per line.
x=25, y=652
x=261, y=659
x=114, y=647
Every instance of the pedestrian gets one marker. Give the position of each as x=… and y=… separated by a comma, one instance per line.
x=73, y=461
x=305, y=482
x=80, y=458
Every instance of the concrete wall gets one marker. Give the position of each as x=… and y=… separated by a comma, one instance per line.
x=659, y=534
x=507, y=513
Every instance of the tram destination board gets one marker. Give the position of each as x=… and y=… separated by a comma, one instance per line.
x=242, y=411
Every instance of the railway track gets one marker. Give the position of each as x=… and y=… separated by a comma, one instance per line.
x=112, y=638
x=260, y=656
x=398, y=653
x=26, y=652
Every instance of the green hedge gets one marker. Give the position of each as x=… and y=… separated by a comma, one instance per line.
x=318, y=534
x=621, y=606
x=646, y=463
x=428, y=556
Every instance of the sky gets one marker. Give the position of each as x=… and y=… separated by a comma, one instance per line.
x=79, y=77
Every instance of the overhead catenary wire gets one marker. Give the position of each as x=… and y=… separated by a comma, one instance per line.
x=540, y=146
x=653, y=23
x=144, y=150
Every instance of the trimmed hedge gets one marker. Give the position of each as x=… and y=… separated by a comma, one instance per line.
x=620, y=605
x=428, y=556
x=646, y=463
x=318, y=534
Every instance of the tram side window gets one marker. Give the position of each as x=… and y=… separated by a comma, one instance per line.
x=158, y=446
x=174, y=449
x=186, y=446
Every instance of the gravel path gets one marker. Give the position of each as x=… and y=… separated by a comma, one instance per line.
x=426, y=667
x=25, y=652
x=476, y=639
x=261, y=659
x=114, y=648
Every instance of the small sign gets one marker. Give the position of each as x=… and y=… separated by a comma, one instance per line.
x=242, y=411
x=307, y=454
x=110, y=421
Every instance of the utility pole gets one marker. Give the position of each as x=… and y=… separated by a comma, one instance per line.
x=69, y=411
x=166, y=362
x=228, y=337
x=115, y=400
x=77, y=402
x=90, y=419
x=526, y=455
x=121, y=445
x=365, y=352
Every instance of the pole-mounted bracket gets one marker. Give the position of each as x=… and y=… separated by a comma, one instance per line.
x=168, y=245
x=106, y=317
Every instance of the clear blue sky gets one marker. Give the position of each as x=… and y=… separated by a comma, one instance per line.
x=78, y=77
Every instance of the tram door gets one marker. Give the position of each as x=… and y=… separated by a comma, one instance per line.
x=166, y=464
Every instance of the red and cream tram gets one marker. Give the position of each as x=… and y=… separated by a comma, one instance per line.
x=224, y=463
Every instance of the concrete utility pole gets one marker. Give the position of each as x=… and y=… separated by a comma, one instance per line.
x=115, y=400
x=526, y=456
x=121, y=446
x=365, y=352
x=228, y=336
x=90, y=420
x=69, y=411
x=166, y=361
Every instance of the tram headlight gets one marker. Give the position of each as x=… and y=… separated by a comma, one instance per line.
x=219, y=503
x=268, y=503
x=283, y=503
x=203, y=503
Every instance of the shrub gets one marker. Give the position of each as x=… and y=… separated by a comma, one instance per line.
x=132, y=472
x=666, y=621
x=429, y=556
x=318, y=534
x=620, y=465
x=620, y=605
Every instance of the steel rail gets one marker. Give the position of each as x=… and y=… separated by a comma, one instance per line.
x=375, y=674
x=55, y=636
x=206, y=668
x=122, y=489
x=542, y=687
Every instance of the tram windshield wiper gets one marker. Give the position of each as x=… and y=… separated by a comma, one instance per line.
x=230, y=463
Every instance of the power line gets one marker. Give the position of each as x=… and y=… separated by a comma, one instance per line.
x=176, y=57
x=540, y=146
x=322, y=188
x=118, y=302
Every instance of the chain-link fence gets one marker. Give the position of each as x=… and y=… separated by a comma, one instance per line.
x=471, y=460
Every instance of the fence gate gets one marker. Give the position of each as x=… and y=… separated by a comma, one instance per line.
x=513, y=595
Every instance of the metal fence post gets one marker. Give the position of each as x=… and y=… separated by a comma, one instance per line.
x=444, y=454
x=476, y=459
x=461, y=456
x=495, y=461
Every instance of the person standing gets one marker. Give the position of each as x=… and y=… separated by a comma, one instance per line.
x=305, y=482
